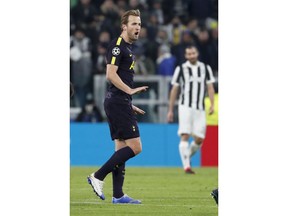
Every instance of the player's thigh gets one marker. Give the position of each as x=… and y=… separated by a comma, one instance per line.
x=119, y=144
x=199, y=123
x=122, y=121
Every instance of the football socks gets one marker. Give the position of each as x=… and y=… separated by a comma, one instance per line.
x=184, y=153
x=118, y=175
x=118, y=158
x=194, y=148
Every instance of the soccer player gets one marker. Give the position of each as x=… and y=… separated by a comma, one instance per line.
x=193, y=77
x=119, y=109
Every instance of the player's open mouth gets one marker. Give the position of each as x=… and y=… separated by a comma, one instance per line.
x=137, y=33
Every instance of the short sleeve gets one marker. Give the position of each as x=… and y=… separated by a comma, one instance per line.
x=114, y=55
x=176, y=76
x=209, y=75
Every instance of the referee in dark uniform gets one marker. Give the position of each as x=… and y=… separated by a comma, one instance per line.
x=119, y=109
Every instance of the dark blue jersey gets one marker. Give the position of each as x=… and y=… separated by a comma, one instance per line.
x=120, y=53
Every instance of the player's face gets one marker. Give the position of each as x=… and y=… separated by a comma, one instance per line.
x=191, y=54
x=133, y=27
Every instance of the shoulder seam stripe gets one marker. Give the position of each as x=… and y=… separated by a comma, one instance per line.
x=118, y=41
x=113, y=60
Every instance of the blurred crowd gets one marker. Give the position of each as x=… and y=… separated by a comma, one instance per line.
x=168, y=26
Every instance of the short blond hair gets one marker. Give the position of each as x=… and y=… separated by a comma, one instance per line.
x=125, y=16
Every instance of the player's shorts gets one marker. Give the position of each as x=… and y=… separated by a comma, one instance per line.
x=192, y=121
x=121, y=118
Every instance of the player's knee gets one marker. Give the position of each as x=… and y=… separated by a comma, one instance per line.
x=137, y=149
x=185, y=137
x=135, y=145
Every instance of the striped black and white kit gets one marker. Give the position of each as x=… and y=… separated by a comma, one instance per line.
x=192, y=80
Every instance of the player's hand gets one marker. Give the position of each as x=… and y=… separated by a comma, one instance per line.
x=138, y=110
x=211, y=110
x=170, y=116
x=138, y=90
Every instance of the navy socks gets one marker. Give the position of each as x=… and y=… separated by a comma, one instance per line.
x=118, y=175
x=118, y=158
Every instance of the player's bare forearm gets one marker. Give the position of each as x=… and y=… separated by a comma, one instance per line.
x=211, y=93
x=112, y=76
x=173, y=96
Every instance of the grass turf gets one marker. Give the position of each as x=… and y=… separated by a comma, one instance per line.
x=163, y=191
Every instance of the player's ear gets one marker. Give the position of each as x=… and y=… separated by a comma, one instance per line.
x=124, y=27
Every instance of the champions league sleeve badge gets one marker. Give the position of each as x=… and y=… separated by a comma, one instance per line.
x=116, y=51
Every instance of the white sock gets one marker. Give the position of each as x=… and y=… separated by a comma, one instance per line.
x=194, y=148
x=184, y=153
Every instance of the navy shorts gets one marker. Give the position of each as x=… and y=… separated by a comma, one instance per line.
x=121, y=118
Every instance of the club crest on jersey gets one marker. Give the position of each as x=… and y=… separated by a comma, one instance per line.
x=115, y=51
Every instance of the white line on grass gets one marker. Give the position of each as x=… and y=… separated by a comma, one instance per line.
x=164, y=205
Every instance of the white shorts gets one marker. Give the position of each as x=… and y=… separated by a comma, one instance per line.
x=192, y=121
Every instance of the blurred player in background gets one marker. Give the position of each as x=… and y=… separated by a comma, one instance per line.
x=119, y=109
x=193, y=77
x=215, y=195
x=71, y=90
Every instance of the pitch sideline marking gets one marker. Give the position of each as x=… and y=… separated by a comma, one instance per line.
x=97, y=203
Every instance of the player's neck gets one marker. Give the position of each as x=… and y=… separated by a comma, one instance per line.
x=126, y=38
x=193, y=63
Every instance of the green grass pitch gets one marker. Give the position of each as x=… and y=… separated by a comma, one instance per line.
x=163, y=191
